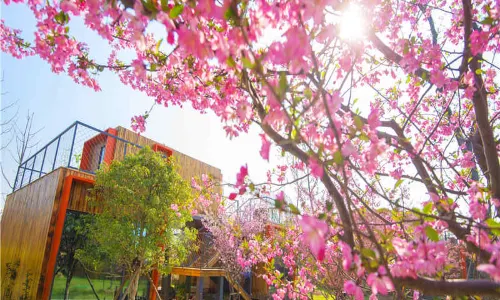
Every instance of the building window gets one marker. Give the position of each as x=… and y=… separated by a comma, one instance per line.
x=101, y=156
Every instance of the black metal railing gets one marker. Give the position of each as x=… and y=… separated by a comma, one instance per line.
x=80, y=146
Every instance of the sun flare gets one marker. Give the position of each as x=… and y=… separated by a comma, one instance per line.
x=352, y=23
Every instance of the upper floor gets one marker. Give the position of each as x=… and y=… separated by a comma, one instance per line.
x=85, y=148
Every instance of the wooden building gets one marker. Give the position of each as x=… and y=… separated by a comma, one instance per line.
x=55, y=181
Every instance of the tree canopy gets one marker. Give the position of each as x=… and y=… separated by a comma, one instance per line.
x=144, y=207
x=392, y=107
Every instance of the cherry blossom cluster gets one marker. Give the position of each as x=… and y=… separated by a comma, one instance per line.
x=393, y=137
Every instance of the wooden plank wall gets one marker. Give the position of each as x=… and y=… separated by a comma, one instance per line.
x=28, y=224
x=189, y=167
x=79, y=191
x=26, y=221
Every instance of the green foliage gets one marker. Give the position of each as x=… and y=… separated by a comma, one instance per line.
x=145, y=207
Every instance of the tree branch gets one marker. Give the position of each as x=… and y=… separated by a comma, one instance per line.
x=452, y=287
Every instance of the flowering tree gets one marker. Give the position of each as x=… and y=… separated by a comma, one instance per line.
x=144, y=208
x=392, y=105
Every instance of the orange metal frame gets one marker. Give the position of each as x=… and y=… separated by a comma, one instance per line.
x=56, y=239
x=160, y=148
x=110, y=148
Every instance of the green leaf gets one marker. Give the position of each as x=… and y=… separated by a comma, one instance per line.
x=364, y=137
x=368, y=253
x=293, y=209
x=398, y=183
x=278, y=204
x=357, y=121
x=427, y=208
x=61, y=18
x=283, y=84
x=406, y=48
x=479, y=71
x=246, y=63
x=230, y=14
x=164, y=5
x=293, y=134
x=176, y=11
x=308, y=93
x=494, y=225
x=230, y=62
x=158, y=45
x=431, y=234
x=329, y=205
x=149, y=6
x=488, y=21
x=338, y=158
x=153, y=66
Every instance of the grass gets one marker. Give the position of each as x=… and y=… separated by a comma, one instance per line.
x=80, y=288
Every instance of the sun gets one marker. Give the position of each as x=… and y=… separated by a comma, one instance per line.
x=352, y=23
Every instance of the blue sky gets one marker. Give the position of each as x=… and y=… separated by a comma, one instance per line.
x=57, y=102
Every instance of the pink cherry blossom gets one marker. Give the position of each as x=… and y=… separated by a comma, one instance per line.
x=352, y=289
x=314, y=233
x=379, y=282
x=139, y=124
x=266, y=145
x=240, y=177
x=492, y=270
x=315, y=167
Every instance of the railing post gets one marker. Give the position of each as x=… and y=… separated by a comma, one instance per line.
x=57, y=150
x=32, y=168
x=72, y=145
x=17, y=176
x=24, y=171
x=199, y=290
x=43, y=162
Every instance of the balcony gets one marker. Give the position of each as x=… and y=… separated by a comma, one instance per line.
x=80, y=147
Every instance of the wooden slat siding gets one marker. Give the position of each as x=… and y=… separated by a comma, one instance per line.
x=78, y=199
x=25, y=227
x=189, y=167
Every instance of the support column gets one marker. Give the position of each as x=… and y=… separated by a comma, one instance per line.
x=221, y=288
x=166, y=286
x=199, y=289
x=188, y=286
